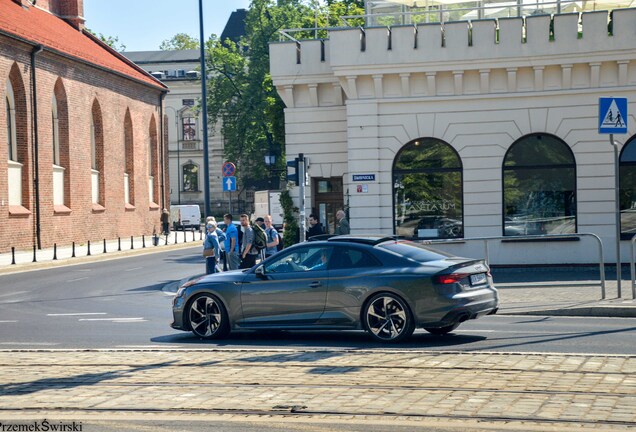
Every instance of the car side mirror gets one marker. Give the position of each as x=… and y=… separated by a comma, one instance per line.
x=260, y=272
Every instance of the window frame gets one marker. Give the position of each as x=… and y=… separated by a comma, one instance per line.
x=187, y=164
x=573, y=166
x=630, y=142
x=194, y=125
x=12, y=139
x=425, y=171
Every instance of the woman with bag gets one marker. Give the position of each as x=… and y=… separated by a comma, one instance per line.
x=211, y=248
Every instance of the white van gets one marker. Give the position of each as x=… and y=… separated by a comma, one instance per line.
x=185, y=216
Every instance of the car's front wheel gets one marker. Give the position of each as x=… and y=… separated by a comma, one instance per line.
x=207, y=317
x=388, y=318
x=441, y=330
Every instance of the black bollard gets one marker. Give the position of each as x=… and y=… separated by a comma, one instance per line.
x=132, y=245
x=73, y=251
x=34, y=257
x=185, y=240
x=54, y=251
x=104, y=245
x=119, y=243
x=200, y=234
x=193, y=237
x=143, y=240
x=166, y=239
x=12, y=255
x=176, y=236
x=88, y=253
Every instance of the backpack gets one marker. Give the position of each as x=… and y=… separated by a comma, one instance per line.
x=260, y=239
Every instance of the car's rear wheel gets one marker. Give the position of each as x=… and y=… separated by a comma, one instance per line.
x=441, y=330
x=207, y=317
x=388, y=318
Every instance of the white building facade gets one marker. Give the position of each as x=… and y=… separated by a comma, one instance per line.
x=468, y=129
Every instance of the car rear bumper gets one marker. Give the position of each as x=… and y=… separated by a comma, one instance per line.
x=461, y=307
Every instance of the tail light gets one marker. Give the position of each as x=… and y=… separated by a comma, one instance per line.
x=449, y=278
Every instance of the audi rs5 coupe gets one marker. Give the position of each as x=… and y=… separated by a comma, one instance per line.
x=384, y=285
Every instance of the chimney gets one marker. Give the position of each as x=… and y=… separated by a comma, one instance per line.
x=73, y=12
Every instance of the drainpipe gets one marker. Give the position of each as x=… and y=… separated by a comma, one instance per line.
x=36, y=163
x=163, y=168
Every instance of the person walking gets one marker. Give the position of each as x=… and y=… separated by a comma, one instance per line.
x=272, y=237
x=231, y=243
x=248, y=251
x=211, y=248
x=343, y=224
x=315, y=227
x=165, y=221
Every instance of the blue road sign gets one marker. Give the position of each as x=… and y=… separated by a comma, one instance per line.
x=229, y=184
x=612, y=115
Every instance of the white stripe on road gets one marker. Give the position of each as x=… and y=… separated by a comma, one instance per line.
x=133, y=269
x=78, y=279
x=8, y=321
x=29, y=343
x=139, y=319
x=13, y=293
x=76, y=314
x=149, y=346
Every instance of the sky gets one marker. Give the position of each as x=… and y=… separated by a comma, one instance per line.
x=141, y=25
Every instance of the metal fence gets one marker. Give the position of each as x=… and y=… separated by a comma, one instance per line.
x=487, y=240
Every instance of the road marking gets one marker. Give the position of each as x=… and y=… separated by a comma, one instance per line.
x=149, y=346
x=29, y=343
x=13, y=293
x=78, y=279
x=77, y=314
x=8, y=321
x=138, y=319
x=133, y=269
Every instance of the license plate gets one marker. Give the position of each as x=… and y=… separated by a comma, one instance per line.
x=478, y=279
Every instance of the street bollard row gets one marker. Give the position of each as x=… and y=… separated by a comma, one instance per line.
x=155, y=241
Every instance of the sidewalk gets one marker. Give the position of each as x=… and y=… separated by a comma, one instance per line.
x=99, y=250
x=494, y=390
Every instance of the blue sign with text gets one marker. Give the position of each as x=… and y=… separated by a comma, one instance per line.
x=363, y=177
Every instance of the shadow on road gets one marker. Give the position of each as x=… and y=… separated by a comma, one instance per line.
x=317, y=339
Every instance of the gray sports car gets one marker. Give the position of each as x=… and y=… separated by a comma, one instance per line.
x=384, y=285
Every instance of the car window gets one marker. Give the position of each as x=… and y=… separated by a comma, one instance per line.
x=347, y=257
x=305, y=259
x=414, y=251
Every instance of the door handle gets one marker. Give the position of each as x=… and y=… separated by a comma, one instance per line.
x=315, y=284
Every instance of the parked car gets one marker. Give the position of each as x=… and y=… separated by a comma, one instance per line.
x=185, y=216
x=383, y=285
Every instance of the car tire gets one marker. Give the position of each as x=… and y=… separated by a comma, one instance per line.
x=207, y=317
x=440, y=331
x=387, y=318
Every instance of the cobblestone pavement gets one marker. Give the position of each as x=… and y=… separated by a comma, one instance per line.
x=590, y=391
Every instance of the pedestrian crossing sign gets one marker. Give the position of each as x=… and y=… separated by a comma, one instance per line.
x=612, y=115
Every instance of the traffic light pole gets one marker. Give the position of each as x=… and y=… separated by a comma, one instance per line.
x=301, y=186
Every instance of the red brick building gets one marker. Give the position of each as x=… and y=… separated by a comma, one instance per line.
x=81, y=153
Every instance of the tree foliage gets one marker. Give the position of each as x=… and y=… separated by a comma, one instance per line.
x=111, y=41
x=180, y=41
x=241, y=96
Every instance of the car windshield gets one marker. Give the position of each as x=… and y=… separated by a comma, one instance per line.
x=414, y=251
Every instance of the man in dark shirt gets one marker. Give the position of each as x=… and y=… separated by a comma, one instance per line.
x=315, y=227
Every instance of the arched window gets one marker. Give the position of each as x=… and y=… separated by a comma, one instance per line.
x=628, y=187
x=97, y=156
x=539, y=187
x=17, y=144
x=129, y=161
x=427, y=190
x=190, y=177
x=60, y=149
x=152, y=162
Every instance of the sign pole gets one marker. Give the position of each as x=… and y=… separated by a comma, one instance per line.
x=301, y=185
x=618, y=216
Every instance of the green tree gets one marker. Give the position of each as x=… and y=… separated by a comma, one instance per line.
x=180, y=41
x=241, y=96
x=111, y=41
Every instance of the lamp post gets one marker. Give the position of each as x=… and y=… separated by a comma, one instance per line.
x=204, y=106
x=177, y=114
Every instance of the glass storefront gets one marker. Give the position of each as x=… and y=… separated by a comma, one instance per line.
x=427, y=191
x=628, y=187
x=539, y=184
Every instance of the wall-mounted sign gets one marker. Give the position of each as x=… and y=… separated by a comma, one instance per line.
x=187, y=102
x=363, y=177
x=362, y=188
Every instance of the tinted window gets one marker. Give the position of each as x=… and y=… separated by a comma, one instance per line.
x=305, y=259
x=346, y=258
x=414, y=251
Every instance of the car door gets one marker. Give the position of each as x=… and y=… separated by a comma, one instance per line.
x=288, y=290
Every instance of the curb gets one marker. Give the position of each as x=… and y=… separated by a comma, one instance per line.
x=589, y=311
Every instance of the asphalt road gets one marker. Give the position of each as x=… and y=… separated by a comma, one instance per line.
x=120, y=304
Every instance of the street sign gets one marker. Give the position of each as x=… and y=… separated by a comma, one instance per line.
x=229, y=184
x=229, y=169
x=612, y=115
